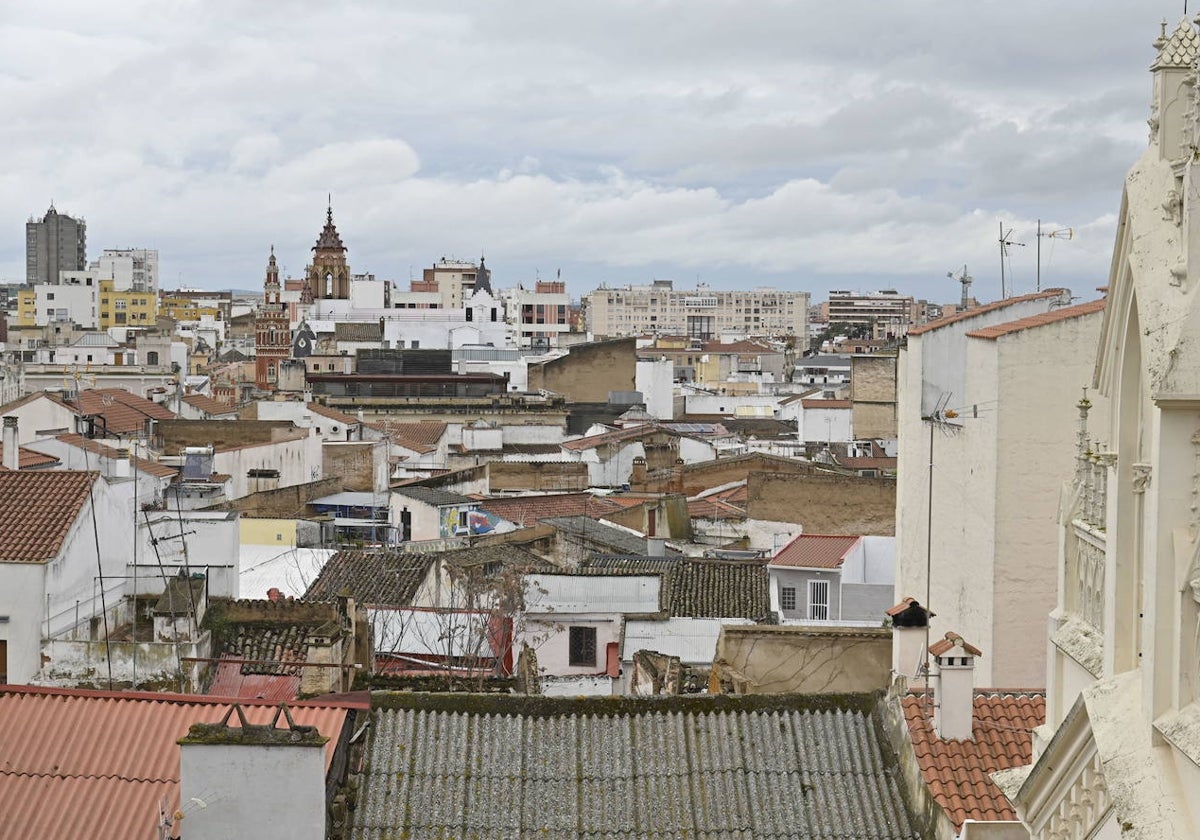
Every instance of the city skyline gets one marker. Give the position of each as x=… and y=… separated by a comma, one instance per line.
x=799, y=147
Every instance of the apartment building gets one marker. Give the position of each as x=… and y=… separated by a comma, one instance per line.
x=56, y=242
x=130, y=269
x=703, y=312
x=538, y=316
x=120, y=308
x=886, y=313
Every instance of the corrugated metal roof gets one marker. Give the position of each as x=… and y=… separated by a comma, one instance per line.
x=97, y=764
x=728, y=770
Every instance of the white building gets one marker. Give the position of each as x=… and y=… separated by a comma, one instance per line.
x=130, y=269
x=997, y=470
x=73, y=298
x=703, y=312
x=538, y=317
x=1120, y=753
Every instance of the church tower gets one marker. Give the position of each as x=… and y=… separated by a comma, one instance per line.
x=328, y=277
x=272, y=336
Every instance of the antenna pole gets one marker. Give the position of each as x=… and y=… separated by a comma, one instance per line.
x=1003, y=293
x=1039, y=249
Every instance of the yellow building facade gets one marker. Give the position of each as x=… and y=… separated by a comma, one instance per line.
x=125, y=309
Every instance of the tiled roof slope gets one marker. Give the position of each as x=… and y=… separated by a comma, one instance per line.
x=618, y=540
x=419, y=437
x=371, y=577
x=434, y=496
x=815, y=551
x=208, y=405
x=527, y=510
x=29, y=458
x=37, y=510
x=122, y=412
x=332, y=414
x=702, y=588
x=642, y=770
x=979, y=310
x=358, y=331
x=957, y=772
x=1179, y=49
x=141, y=464
x=97, y=764
x=1051, y=317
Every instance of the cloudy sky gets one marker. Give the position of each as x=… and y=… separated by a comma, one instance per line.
x=809, y=145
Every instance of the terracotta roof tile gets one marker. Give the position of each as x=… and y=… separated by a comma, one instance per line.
x=37, y=510
x=628, y=433
x=527, y=510
x=950, y=641
x=695, y=588
x=420, y=437
x=825, y=403
x=208, y=405
x=815, y=551
x=332, y=414
x=710, y=508
x=106, y=760
x=141, y=464
x=1051, y=317
x=29, y=458
x=980, y=310
x=119, y=411
x=957, y=772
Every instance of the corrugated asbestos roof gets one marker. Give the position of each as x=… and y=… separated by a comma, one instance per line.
x=434, y=496
x=957, y=772
x=600, y=534
x=690, y=770
x=37, y=510
x=97, y=764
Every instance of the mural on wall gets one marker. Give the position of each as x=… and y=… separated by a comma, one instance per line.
x=461, y=521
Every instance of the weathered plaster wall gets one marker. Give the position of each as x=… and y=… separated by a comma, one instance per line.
x=589, y=372
x=774, y=660
x=532, y=475
x=824, y=504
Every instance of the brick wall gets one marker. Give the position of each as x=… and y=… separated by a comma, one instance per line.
x=873, y=396
x=528, y=475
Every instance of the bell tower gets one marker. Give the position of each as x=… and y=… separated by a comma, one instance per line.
x=272, y=335
x=328, y=277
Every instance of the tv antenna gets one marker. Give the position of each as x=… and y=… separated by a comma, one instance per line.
x=1059, y=233
x=1006, y=241
x=965, y=279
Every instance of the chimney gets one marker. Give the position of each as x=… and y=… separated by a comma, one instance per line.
x=121, y=466
x=910, y=622
x=656, y=547
x=954, y=697
x=12, y=449
x=252, y=780
x=637, y=478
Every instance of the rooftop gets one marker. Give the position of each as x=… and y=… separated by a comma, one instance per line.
x=957, y=772
x=527, y=510
x=120, y=412
x=372, y=577
x=104, y=451
x=208, y=405
x=29, y=458
x=815, y=551
x=718, y=767
x=433, y=496
x=332, y=414
x=100, y=763
x=37, y=510
x=695, y=588
x=1051, y=317
x=980, y=310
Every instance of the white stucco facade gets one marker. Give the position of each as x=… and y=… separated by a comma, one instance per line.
x=997, y=472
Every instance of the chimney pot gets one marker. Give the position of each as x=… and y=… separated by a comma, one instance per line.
x=954, y=706
x=11, y=441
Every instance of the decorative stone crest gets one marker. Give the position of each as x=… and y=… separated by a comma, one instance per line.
x=1173, y=207
x=1141, y=477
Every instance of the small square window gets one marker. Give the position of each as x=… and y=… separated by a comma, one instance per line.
x=583, y=647
x=787, y=598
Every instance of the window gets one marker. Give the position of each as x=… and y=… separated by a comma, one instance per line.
x=583, y=647
x=787, y=598
x=49, y=295
x=818, y=600
x=470, y=314
x=152, y=357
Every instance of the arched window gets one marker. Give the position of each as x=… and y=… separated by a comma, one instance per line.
x=329, y=284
